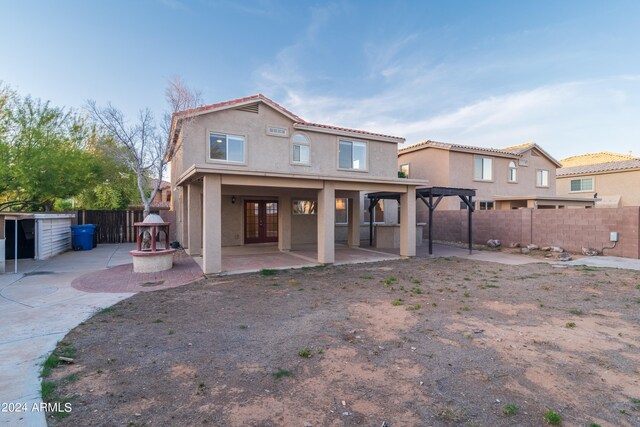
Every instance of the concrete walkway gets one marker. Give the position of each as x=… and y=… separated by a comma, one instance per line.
x=38, y=307
x=608, y=261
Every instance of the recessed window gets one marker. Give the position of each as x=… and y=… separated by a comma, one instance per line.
x=582, y=184
x=513, y=172
x=300, y=151
x=405, y=170
x=227, y=148
x=342, y=206
x=352, y=155
x=483, y=169
x=542, y=178
x=485, y=206
x=378, y=211
x=304, y=207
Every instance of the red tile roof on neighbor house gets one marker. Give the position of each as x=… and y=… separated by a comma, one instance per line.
x=456, y=147
x=262, y=98
x=633, y=163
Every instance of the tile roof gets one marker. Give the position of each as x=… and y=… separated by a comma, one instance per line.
x=520, y=148
x=455, y=147
x=634, y=163
x=595, y=158
x=262, y=98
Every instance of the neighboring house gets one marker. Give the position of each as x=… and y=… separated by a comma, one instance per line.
x=612, y=179
x=163, y=196
x=507, y=178
x=249, y=171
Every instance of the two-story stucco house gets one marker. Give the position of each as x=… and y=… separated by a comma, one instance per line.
x=508, y=178
x=249, y=171
x=613, y=180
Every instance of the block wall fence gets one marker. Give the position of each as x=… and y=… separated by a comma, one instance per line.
x=570, y=229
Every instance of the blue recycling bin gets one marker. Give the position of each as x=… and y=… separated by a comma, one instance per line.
x=82, y=237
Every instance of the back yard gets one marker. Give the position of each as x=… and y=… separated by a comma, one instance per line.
x=399, y=343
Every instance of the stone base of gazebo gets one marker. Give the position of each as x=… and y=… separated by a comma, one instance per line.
x=152, y=262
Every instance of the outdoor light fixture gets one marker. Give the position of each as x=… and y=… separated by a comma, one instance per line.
x=233, y=199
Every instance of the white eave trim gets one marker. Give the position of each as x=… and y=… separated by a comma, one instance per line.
x=343, y=132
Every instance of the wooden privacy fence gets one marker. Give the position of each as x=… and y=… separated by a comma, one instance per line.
x=112, y=226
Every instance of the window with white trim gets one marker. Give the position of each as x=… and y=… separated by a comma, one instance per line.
x=352, y=155
x=405, y=170
x=342, y=209
x=226, y=148
x=483, y=168
x=300, y=151
x=582, y=184
x=513, y=172
x=542, y=178
x=485, y=206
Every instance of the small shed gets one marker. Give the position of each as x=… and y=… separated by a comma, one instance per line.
x=33, y=235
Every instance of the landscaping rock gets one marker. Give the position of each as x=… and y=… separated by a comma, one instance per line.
x=564, y=256
x=556, y=249
x=533, y=247
x=493, y=243
x=590, y=251
x=546, y=248
x=524, y=251
x=514, y=245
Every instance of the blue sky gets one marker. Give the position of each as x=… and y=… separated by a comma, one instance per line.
x=565, y=74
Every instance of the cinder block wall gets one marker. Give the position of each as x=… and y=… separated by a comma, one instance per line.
x=571, y=229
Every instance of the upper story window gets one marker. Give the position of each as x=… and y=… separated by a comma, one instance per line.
x=405, y=170
x=582, y=184
x=352, y=155
x=542, y=178
x=300, y=149
x=513, y=172
x=226, y=148
x=483, y=169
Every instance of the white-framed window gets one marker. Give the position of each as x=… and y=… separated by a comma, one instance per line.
x=226, y=148
x=405, y=170
x=582, y=184
x=485, y=206
x=542, y=178
x=482, y=168
x=352, y=155
x=378, y=211
x=300, y=150
x=342, y=210
x=513, y=172
x=304, y=207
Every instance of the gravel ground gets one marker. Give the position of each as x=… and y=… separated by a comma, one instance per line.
x=420, y=342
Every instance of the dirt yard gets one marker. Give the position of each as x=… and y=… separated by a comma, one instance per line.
x=416, y=342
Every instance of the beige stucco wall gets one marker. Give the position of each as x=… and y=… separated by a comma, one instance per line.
x=271, y=153
x=456, y=169
x=622, y=183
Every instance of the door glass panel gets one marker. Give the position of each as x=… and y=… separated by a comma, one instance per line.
x=252, y=220
x=271, y=226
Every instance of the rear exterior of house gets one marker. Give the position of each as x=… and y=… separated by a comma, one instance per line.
x=613, y=180
x=507, y=178
x=248, y=171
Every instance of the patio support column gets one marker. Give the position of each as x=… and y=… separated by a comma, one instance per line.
x=194, y=217
x=184, y=217
x=326, y=223
x=212, y=224
x=408, y=222
x=284, y=223
x=353, y=213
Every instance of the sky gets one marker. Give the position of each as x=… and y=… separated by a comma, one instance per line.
x=563, y=74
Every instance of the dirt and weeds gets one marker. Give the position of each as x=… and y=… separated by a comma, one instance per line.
x=421, y=342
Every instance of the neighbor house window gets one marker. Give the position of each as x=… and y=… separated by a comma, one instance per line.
x=342, y=206
x=300, y=149
x=463, y=206
x=513, y=172
x=483, y=169
x=485, y=206
x=542, y=178
x=228, y=148
x=378, y=211
x=405, y=170
x=582, y=184
x=304, y=207
x=352, y=155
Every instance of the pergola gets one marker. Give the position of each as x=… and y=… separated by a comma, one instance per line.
x=431, y=197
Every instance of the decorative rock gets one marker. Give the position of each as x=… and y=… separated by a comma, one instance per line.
x=524, y=251
x=532, y=247
x=590, y=252
x=493, y=243
x=514, y=245
x=546, y=248
x=556, y=249
x=564, y=256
